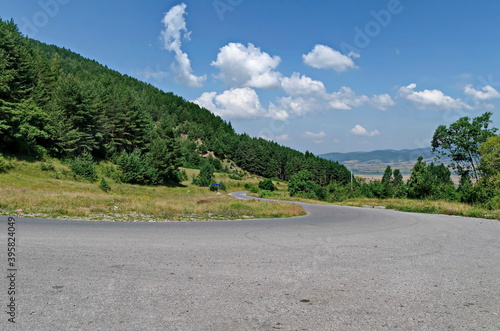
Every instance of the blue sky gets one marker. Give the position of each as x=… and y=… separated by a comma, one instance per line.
x=323, y=76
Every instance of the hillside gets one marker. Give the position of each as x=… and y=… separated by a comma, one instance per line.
x=374, y=162
x=55, y=103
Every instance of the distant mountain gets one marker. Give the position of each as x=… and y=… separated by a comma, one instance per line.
x=375, y=162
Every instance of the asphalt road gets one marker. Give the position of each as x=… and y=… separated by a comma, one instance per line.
x=339, y=268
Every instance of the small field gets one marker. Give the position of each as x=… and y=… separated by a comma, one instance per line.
x=29, y=191
x=369, y=178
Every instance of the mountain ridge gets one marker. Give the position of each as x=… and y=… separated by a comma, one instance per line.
x=374, y=162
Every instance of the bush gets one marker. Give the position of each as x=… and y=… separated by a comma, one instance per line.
x=267, y=185
x=111, y=171
x=83, y=167
x=182, y=175
x=5, y=165
x=494, y=203
x=206, y=176
x=217, y=187
x=338, y=193
x=267, y=194
x=103, y=185
x=47, y=167
x=135, y=169
x=236, y=176
x=301, y=185
x=251, y=188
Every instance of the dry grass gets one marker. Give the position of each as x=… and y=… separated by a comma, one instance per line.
x=55, y=194
x=426, y=206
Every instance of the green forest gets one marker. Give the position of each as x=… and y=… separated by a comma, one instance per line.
x=55, y=103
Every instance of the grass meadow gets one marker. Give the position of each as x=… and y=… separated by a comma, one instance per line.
x=49, y=190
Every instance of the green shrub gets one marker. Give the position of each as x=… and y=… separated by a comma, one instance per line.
x=236, y=176
x=182, y=175
x=251, y=188
x=338, y=193
x=267, y=185
x=494, y=203
x=103, y=185
x=300, y=185
x=217, y=187
x=136, y=169
x=5, y=165
x=476, y=213
x=47, y=167
x=267, y=194
x=206, y=176
x=83, y=167
x=112, y=171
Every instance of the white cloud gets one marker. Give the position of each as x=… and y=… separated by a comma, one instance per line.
x=175, y=30
x=324, y=57
x=346, y=99
x=301, y=85
x=277, y=113
x=431, y=98
x=312, y=135
x=247, y=66
x=315, y=137
x=382, y=101
x=206, y=100
x=361, y=131
x=486, y=93
x=283, y=137
x=297, y=106
x=238, y=103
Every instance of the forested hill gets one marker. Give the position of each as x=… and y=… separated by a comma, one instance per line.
x=55, y=102
x=382, y=156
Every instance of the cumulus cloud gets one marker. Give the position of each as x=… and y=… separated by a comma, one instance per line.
x=324, y=57
x=175, y=30
x=361, y=131
x=431, y=98
x=241, y=65
x=315, y=137
x=309, y=96
x=283, y=137
x=382, y=101
x=237, y=103
x=301, y=85
x=486, y=93
x=298, y=106
x=346, y=99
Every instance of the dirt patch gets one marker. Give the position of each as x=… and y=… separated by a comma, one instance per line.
x=202, y=202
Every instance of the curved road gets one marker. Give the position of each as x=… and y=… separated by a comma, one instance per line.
x=339, y=268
